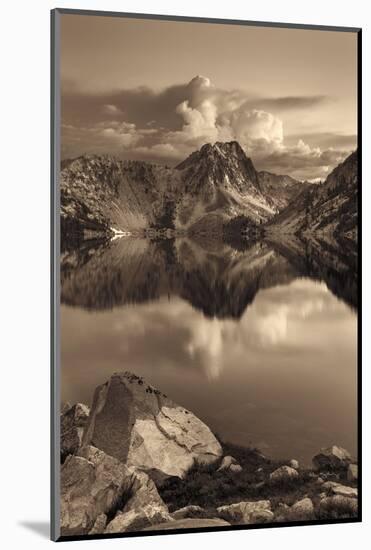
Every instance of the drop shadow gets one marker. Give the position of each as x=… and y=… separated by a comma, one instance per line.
x=41, y=528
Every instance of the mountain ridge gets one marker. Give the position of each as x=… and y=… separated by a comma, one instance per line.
x=328, y=208
x=213, y=186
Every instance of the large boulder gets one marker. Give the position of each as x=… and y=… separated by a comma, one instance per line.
x=284, y=474
x=140, y=426
x=189, y=523
x=245, y=513
x=331, y=459
x=94, y=485
x=73, y=422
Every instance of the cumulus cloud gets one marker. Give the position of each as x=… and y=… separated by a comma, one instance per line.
x=169, y=125
x=110, y=109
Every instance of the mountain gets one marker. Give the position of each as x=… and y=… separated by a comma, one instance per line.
x=280, y=190
x=211, y=186
x=330, y=208
x=101, y=192
x=220, y=180
x=215, y=189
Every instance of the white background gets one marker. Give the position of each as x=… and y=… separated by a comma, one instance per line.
x=24, y=192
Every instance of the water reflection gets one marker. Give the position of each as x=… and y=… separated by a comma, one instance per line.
x=254, y=339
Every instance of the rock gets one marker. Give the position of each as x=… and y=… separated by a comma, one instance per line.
x=283, y=474
x=91, y=484
x=338, y=507
x=94, y=483
x=302, y=510
x=144, y=493
x=320, y=481
x=229, y=463
x=261, y=516
x=137, y=520
x=189, y=523
x=331, y=458
x=246, y=512
x=352, y=473
x=329, y=476
x=236, y=468
x=137, y=424
x=144, y=508
x=338, y=489
x=190, y=511
x=282, y=508
x=99, y=525
x=73, y=421
x=294, y=464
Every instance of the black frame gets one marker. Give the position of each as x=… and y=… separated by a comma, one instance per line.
x=55, y=270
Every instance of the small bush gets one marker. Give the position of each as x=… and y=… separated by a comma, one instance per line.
x=206, y=487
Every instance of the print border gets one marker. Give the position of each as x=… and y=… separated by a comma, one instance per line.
x=55, y=102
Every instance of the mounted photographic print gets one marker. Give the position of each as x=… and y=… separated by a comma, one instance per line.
x=205, y=216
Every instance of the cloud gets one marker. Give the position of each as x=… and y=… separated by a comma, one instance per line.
x=110, y=109
x=170, y=124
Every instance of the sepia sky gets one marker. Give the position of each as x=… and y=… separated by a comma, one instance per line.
x=158, y=90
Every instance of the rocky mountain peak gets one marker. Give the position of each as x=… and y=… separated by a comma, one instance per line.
x=220, y=164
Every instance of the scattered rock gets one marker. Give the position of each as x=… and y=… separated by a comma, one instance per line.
x=99, y=525
x=331, y=458
x=283, y=474
x=246, y=512
x=137, y=520
x=329, y=476
x=261, y=516
x=229, y=463
x=294, y=464
x=302, y=510
x=141, y=427
x=282, y=508
x=337, y=507
x=338, y=489
x=320, y=481
x=236, y=468
x=190, y=511
x=189, y=523
x=352, y=473
x=73, y=421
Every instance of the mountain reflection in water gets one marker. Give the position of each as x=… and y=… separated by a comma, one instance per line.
x=258, y=340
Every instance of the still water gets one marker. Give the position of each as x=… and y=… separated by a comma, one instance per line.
x=259, y=341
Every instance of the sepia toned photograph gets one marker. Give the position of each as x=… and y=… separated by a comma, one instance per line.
x=207, y=206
